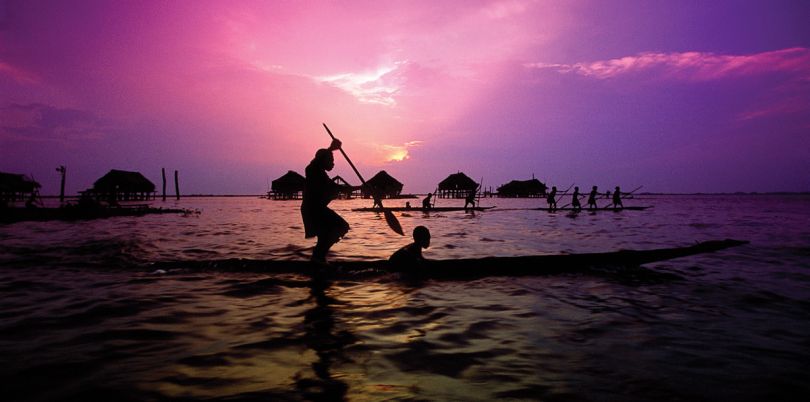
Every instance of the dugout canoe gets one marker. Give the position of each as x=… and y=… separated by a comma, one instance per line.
x=426, y=210
x=569, y=209
x=468, y=268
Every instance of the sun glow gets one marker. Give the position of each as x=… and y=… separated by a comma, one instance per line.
x=398, y=153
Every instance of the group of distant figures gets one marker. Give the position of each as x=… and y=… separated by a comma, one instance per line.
x=551, y=199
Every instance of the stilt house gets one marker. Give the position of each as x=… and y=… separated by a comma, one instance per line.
x=457, y=185
x=290, y=186
x=121, y=185
x=17, y=187
x=523, y=189
x=347, y=191
x=382, y=184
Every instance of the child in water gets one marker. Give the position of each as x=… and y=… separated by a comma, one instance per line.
x=410, y=257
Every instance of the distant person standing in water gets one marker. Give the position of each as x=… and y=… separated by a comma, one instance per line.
x=617, y=199
x=552, y=199
x=469, y=200
x=575, y=200
x=426, y=201
x=592, y=198
x=319, y=190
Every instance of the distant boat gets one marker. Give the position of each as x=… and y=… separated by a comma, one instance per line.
x=414, y=209
x=593, y=210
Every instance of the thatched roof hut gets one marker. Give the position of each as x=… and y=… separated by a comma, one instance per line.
x=16, y=186
x=287, y=187
x=123, y=185
x=382, y=184
x=457, y=185
x=523, y=189
x=346, y=189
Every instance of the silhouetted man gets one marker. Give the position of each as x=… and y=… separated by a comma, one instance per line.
x=575, y=200
x=426, y=201
x=617, y=198
x=469, y=200
x=552, y=199
x=319, y=190
x=592, y=198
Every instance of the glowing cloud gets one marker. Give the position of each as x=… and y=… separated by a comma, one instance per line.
x=368, y=87
x=397, y=153
x=692, y=65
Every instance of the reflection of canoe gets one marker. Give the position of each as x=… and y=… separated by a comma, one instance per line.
x=595, y=210
x=10, y=215
x=434, y=209
x=474, y=267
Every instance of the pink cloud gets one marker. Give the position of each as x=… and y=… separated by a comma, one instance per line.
x=696, y=66
x=18, y=74
x=784, y=107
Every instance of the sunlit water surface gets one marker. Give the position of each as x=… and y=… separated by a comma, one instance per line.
x=84, y=314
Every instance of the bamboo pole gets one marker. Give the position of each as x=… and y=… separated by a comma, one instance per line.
x=176, y=186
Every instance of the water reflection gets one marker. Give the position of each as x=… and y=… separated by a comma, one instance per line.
x=328, y=342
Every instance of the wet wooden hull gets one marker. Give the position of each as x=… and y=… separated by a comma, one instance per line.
x=608, y=209
x=435, y=209
x=472, y=267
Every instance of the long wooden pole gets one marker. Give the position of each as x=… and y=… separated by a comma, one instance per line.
x=176, y=186
x=163, y=173
x=392, y=221
x=62, y=170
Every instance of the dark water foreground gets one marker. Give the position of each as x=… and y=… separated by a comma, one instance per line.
x=84, y=315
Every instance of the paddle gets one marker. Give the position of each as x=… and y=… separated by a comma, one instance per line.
x=390, y=219
x=556, y=200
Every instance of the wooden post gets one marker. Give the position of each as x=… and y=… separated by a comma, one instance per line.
x=176, y=185
x=163, y=172
x=61, y=169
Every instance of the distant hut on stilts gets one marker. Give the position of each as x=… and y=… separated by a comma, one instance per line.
x=121, y=185
x=347, y=191
x=523, y=189
x=290, y=186
x=383, y=185
x=457, y=185
x=17, y=187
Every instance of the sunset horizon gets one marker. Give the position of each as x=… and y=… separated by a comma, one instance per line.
x=679, y=98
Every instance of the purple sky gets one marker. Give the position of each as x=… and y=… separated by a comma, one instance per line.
x=678, y=96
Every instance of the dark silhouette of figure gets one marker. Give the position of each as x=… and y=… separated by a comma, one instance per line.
x=426, y=201
x=617, y=199
x=32, y=201
x=575, y=200
x=469, y=200
x=409, y=258
x=377, y=203
x=592, y=198
x=552, y=199
x=408, y=204
x=319, y=190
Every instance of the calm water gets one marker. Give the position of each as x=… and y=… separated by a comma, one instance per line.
x=83, y=314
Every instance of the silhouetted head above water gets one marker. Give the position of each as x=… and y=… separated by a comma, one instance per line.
x=421, y=236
